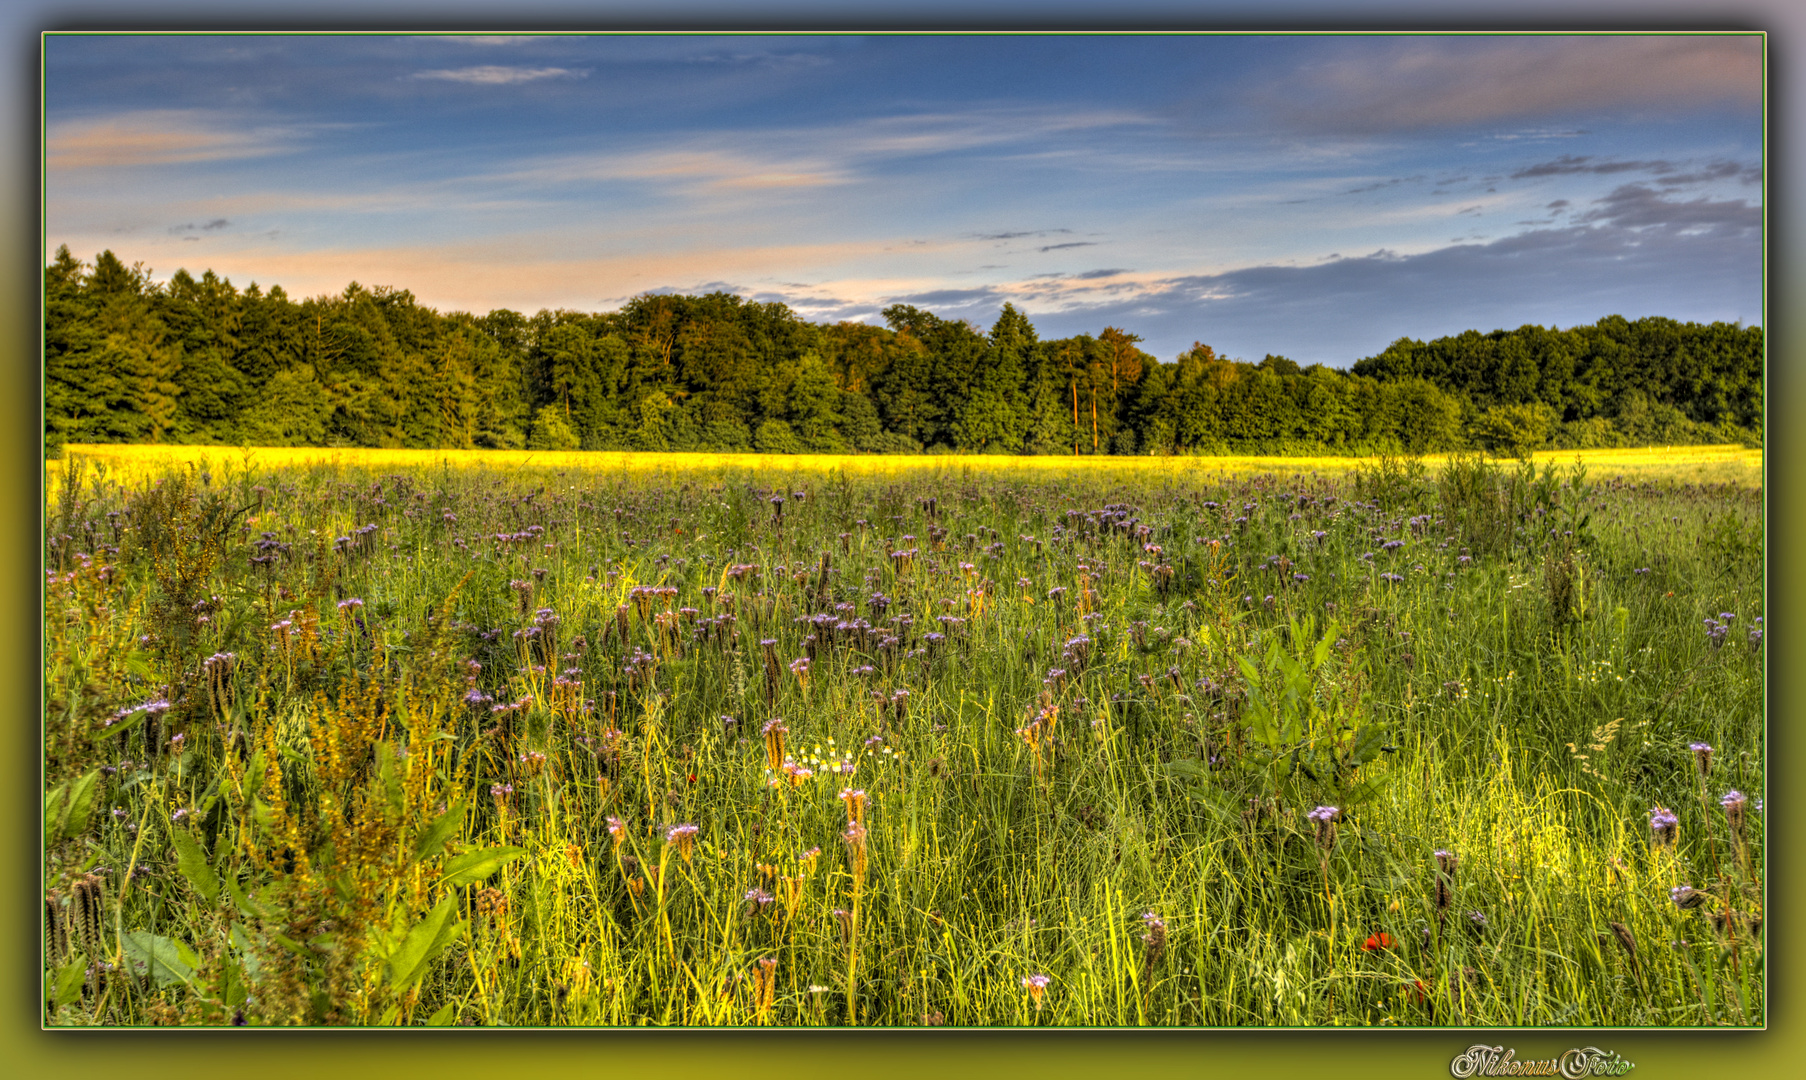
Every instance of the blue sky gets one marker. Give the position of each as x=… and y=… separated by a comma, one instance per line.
x=1313, y=196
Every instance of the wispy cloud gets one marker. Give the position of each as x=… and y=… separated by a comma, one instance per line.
x=1637, y=207
x=1570, y=164
x=498, y=74
x=698, y=169
x=483, y=39
x=1432, y=83
x=211, y=226
x=158, y=137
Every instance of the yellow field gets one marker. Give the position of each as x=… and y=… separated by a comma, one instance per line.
x=1680, y=464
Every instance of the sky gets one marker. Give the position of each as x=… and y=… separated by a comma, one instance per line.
x=1312, y=196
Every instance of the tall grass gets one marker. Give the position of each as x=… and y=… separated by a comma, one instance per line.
x=330, y=744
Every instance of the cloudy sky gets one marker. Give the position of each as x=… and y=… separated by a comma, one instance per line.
x=1313, y=196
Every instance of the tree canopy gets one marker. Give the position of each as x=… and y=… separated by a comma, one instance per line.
x=197, y=360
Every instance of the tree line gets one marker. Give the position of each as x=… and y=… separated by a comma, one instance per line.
x=197, y=360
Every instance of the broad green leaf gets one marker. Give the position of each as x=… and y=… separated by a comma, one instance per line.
x=474, y=866
x=53, y=805
x=247, y=906
x=1320, y=655
x=192, y=862
x=68, y=806
x=166, y=960
x=66, y=987
x=1186, y=768
x=232, y=984
x=1367, y=742
x=443, y=1018
x=81, y=804
x=252, y=964
x=435, y=836
x=432, y=933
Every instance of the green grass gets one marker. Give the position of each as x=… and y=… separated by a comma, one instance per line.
x=340, y=838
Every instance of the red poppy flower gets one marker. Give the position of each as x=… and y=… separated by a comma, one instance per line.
x=1419, y=992
x=1381, y=940
x=692, y=778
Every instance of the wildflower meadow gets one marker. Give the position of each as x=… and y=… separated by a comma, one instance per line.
x=737, y=743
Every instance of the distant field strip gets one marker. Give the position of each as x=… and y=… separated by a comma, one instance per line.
x=1676, y=464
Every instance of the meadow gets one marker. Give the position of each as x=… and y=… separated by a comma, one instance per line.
x=358, y=738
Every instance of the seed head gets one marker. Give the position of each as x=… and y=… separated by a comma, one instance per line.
x=1702, y=756
x=1036, y=985
x=1325, y=819
x=1735, y=804
x=854, y=799
x=1686, y=897
x=684, y=836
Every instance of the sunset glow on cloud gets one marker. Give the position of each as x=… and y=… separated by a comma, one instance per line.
x=1316, y=197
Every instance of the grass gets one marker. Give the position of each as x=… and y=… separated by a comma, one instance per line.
x=361, y=740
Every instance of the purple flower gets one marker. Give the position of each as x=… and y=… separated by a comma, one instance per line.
x=1735, y=803
x=1702, y=755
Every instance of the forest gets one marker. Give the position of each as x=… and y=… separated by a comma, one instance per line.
x=128, y=359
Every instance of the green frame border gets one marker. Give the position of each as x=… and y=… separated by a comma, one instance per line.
x=1043, y=1053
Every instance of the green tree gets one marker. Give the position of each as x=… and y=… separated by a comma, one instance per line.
x=292, y=410
x=551, y=431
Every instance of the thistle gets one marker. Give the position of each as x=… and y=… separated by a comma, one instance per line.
x=1324, y=817
x=854, y=835
x=1686, y=897
x=855, y=804
x=765, y=985
x=1702, y=756
x=1036, y=985
x=774, y=731
x=1735, y=803
x=684, y=837
x=1153, y=942
x=1446, y=861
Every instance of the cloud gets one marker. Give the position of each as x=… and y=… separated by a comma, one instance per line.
x=1718, y=170
x=1569, y=165
x=211, y=226
x=1068, y=244
x=483, y=39
x=1381, y=184
x=761, y=59
x=1020, y=235
x=698, y=170
x=158, y=137
x=1443, y=82
x=498, y=74
x=1638, y=255
x=1637, y=207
